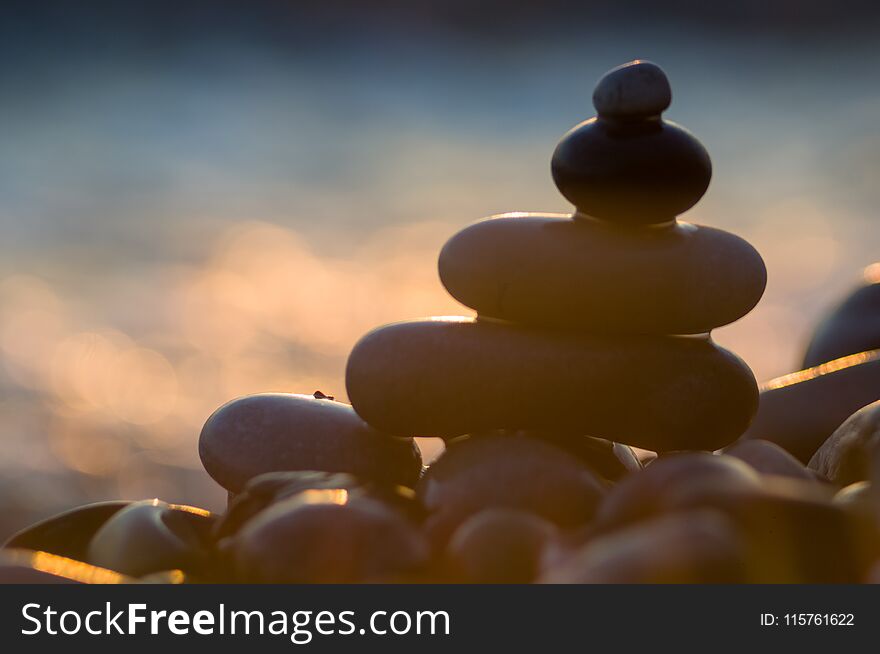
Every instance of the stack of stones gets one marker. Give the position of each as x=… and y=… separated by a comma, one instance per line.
x=595, y=323
x=592, y=336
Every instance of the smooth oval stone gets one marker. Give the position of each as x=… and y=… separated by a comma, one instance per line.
x=499, y=546
x=267, y=489
x=801, y=410
x=640, y=173
x=552, y=271
x=769, y=459
x=525, y=474
x=638, y=89
x=848, y=454
x=689, y=547
x=852, y=327
x=858, y=496
x=67, y=534
x=319, y=538
x=152, y=536
x=448, y=377
x=23, y=566
x=274, y=432
x=666, y=482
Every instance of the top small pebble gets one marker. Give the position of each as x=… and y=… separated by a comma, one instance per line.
x=638, y=89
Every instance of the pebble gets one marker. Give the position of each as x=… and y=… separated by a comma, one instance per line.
x=670, y=482
x=525, y=474
x=280, y=431
x=448, y=377
x=851, y=451
x=67, y=534
x=637, y=89
x=611, y=461
x=689, y=547
x=326, y=537
x=801, y=410
x=769, y=459
x=631, y=173
x=272, y=487
x=551, y=271
x=151, y=536
x=852, y=327
x=499, y=546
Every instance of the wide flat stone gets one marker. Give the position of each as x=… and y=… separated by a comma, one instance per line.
x=800, y=410
x=447, y=377
x=550, y=270
x=274, y=432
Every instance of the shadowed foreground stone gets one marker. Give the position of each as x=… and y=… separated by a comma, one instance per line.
x=801, y=410
x=324, y=537
x=274, y=432
x=152, y=536
x=852, y=327
x=499, y=546
x=689, y=547
x=511, y=472
x=450, y=377
x=553, y=271
x=847, y=456
x=67, y=534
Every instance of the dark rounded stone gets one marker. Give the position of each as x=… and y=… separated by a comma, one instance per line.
x=274, y=432
x=448, y=377
x=324, y=537
x=669, y=482
x=632, y=173
x=801, y=410
x=152, y=536
x=549, y=270
x=67, y=534
x=852, y=327
x=692, y=547
x=22, y=566
x=859, y=497
x=851, y=451
x=525, y=474
x=267, y=489
x=499, y=546
x=769, y=459
x=635, y=90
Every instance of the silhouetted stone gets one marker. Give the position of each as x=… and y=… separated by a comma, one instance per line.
x=846, y=457
x=769, y=459
x=549, y=270
x=265, y=490
x=324, y=537
x=67, y=534
x=606, y=458
x=801, y=410
x=852, y=327
x=499, y=546
x=450, y=377
x=669, y=482
x=281, y=432
x=634, y=90
x=152, y=536
x=689, y=547
x=511, y=472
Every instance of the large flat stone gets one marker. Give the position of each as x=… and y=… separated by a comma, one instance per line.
x=584, y=274
x=455, y=376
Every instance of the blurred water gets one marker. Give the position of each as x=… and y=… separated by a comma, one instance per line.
x=224, y=218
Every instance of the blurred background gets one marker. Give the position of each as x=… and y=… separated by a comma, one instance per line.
x=200, y=200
